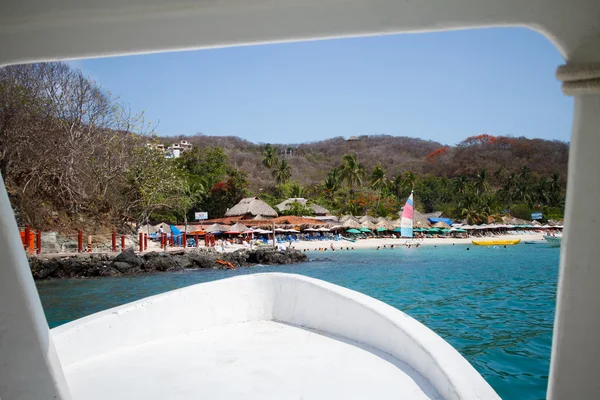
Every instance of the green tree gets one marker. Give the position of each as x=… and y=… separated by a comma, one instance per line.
x=482, y=184
x=377, y=181
x=461, y=184
x=270, y=157
x=333, y=180
x=190, y=195
x=154, y=183
x=409, y=180
x=555, y=190
x=352, y=171
x=282, y=173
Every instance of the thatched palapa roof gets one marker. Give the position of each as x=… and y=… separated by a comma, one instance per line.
x=419, y=221
x=367, y=218
x=384, y=223
x=239, y=227
x=252, y=206
x=369, y=225
x=351, y=224
x=216, y=228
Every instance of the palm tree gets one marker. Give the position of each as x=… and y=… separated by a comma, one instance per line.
x=555, y=189
x=270, y=157
x=409, y=180
x=377, y=181
x=296, y=190
x=542, y=191
x=191, y=194
x=461, y=184
x=470, y=208
x=352, y=171
x=525, y=175
x=481, y=181
x=397, y=184
x=282, y=173
x=333, y=180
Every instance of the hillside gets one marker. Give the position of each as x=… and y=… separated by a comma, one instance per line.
x=82, y=162
x=311, y=162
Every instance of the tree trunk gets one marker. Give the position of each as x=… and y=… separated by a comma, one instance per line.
x=378, y=198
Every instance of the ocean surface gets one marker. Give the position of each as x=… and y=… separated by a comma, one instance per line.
x=495, y=306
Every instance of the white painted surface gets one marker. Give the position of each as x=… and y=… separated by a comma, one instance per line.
x=42, y=30
x=252, y=360
x=575, y=350
x=185, y=321
x=29, y=368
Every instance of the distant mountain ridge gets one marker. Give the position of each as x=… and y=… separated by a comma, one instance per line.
x=312, y=161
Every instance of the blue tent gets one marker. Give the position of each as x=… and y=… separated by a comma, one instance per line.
x=177, y=235
x=446, y=220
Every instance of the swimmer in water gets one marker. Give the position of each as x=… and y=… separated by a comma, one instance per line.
x=392, y=246
x=378, y=248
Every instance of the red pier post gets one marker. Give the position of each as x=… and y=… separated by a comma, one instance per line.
x=141, y=240
x=79, y=241
x=196, y=237
x=122, y=243
x=114, y=242
x=145, y=241
x=184, y=240
x=39, y=241
x=27, y=237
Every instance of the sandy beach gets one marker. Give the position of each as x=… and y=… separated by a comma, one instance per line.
x=373, y=243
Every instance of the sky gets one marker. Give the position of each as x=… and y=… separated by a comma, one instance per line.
x=442, y=86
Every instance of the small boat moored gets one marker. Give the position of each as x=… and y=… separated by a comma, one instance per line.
x=553, y=241
x=495, y=242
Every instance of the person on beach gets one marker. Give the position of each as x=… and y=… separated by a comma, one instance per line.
x=332, y=248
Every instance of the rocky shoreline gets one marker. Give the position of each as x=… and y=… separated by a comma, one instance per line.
x=129, y=263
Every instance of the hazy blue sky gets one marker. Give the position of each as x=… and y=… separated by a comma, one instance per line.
x=442, y=86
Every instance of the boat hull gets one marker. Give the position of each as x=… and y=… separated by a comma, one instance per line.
x=257, y=336
x=553, y=241
x=495, y=242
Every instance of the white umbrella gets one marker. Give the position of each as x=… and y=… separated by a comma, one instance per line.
x=310, y=230
x=323, y=229
x=292, y=231
x=279, y=230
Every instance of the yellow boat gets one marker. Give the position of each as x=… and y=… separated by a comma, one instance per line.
x=495, y=242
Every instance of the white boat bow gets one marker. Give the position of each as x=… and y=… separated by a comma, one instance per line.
x=261, y=336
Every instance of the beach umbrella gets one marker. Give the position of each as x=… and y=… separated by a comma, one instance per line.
x=323, y=229
x=336, y=228
x=461, y=230
x=397, y=230
x=311, y=230
x=293, y=231
x=367, y=230
x=434, y=230
x=353, y=231
x=279, y=230
x=381, y=229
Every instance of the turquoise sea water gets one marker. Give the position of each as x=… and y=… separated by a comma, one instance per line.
x=495, y=306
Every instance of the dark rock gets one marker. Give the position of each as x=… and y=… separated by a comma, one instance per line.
x=129, y=257
x=122, y=267
x=128, y=263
